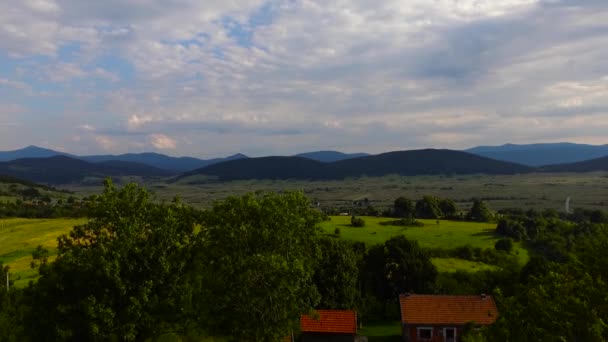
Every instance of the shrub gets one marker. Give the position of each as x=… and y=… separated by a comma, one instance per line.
x=504, y=245
x=337, y=231
x=357, y=222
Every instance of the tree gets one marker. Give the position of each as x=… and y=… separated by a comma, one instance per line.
x=121, y=276
x=336, y=275
x=357, y=222
x=398, y=266
x=256, y=257
x=428, y=208
x=448, y=208
x=404, y=208
x=479, y=212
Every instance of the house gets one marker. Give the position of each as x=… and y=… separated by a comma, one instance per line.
x=329, y=326
x=427, y=318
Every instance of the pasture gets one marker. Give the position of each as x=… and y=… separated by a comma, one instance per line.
x=20, y=237
x=435, y=234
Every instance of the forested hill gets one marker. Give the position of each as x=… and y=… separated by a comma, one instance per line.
x=264, y=168
x=598, y=164
x=417, y=162
x=63, y=170
x=542, y=154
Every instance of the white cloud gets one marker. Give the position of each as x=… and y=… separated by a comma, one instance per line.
x=162, y=142
x=289, y=75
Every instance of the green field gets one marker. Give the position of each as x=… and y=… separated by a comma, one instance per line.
x=445, y=234
x=20, y=237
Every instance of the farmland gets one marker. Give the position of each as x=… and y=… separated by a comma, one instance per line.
x=535, y=190
x=20, y=237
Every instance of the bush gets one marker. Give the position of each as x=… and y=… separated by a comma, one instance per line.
x=337, y=231
x=357, y=222
x=504, y=245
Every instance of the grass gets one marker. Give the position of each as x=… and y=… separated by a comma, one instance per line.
x=446, y=234
x=449, y=265
x=382, y=331
x=20, y=237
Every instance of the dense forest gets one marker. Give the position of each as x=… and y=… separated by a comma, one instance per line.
x=246, y=269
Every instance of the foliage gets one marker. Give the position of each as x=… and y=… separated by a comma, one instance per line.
x=428, y=208
x=398, y=266
x=336, y=275
x=404, y=208
x=448, y=208
x=479, y=212
x=357, y=221
x=119, y=276
x=504, y=245
x=256, y=258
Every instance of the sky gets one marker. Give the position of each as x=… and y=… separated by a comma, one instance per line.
x=216, y=77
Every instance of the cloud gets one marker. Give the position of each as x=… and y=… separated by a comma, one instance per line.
x=162, y=142
x=285, y=76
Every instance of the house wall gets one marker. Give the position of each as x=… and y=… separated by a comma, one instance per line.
x=310, y=337
x=410, y=332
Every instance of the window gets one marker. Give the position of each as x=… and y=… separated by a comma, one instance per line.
x=425, y=333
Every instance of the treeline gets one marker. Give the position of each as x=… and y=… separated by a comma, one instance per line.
x=427, y=207
x=44, y=207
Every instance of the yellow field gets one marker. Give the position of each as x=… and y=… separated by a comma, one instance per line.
x=20, y=237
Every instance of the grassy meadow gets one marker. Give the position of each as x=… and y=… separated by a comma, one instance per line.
x=20, y=237
x=434, y=234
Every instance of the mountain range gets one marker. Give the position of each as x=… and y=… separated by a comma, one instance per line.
x=161, y=161
x=63, y=168
x=416, y=162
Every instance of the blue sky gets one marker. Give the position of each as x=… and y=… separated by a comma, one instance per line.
x=211, y=78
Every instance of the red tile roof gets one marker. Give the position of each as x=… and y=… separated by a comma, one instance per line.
x=330, y=321
x=427, y=309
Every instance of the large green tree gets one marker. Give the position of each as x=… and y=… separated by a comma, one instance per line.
x=404, y=208
x=479, y=212
x=398, y=266
x=428, y=208
x=336, y=275
x=121, y=276
x=257, y=258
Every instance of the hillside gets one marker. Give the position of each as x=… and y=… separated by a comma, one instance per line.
x=63, y=170
x=422, y=162
x=330, y=156
x=29, y=152
x=161, y=161
x=542, y=154
x=598, y=164
x=263, y=168
x=419, y=162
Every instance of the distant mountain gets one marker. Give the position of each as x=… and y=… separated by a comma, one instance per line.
x=542, y=154
x=330, y=156
x=63, y=170
x=30, y=152
x=162, y=161
x=418, y=162
x=598, y=164
x=263, y=168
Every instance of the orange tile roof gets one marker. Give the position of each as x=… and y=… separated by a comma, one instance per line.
x=330, y=321
x=427, y=309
